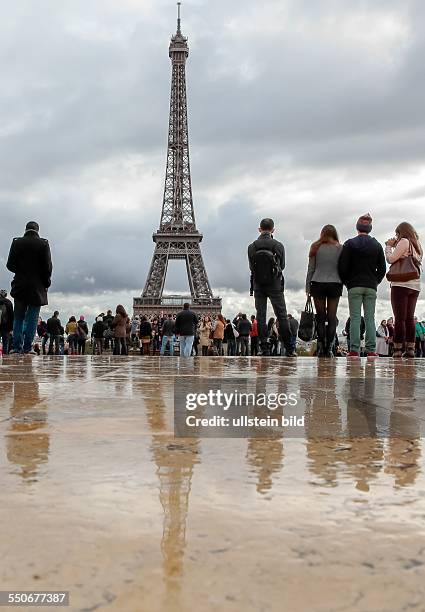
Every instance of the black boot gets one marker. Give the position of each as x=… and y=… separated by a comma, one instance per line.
x=320, y=349
x=329, y=350
x=330, y=342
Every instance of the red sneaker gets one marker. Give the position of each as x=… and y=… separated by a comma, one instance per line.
x=353, y=354
x=372, y=354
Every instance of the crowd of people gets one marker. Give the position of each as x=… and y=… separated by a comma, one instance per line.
x=157, y=334
x=360, y=264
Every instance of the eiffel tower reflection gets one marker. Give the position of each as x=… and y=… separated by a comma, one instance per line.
x=175, y=460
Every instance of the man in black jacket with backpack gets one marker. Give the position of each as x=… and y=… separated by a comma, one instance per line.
x=267, y=261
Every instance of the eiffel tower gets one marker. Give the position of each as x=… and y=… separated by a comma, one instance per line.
x=177, y=236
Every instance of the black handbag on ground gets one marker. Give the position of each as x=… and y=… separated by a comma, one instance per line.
x=307, y=328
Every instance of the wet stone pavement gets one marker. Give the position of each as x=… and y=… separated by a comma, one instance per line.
x=99, y=497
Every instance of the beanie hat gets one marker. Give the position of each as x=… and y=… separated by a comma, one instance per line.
x=364, y=224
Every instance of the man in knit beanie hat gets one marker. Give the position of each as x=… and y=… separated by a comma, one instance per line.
x=362, y=268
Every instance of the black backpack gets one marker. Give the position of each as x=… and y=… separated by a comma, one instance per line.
x=265, y=266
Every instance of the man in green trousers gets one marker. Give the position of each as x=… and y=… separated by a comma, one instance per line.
x=361, y=268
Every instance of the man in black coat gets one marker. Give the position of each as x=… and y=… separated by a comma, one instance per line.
x=55, y=331
x=30, y=260
x=244, y=328
x=97, y=332
x=186, y=325
x=6, y=320
x=267, y=261
x=108, y=320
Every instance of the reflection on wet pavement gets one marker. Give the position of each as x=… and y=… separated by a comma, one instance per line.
x=100, y=499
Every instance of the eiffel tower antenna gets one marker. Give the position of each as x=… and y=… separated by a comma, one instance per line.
x=178, y=18
x=177, y=236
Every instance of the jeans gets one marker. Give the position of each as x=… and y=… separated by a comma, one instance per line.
x=218, y=343
x=73, y=343
x=120, y=346
x=244, y=345
x=165, y=341
x=403, y=302
x=186, y=343
x=54, y=340
x=155, y=343
x=44, y=341
x=24, y=326
x=366, y=297
x=277, y=298
x=97, y=346
x=231, y=347
x=5, y=340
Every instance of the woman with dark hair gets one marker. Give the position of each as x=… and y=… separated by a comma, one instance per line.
x=145, y=335
x=382, y=339
x=390, y=325
x=404, y=294
x=324, y=284
x=119, y=325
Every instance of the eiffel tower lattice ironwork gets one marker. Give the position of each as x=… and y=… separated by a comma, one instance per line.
x=177, y=236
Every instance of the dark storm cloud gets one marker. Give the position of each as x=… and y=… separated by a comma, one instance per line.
x=294, y=89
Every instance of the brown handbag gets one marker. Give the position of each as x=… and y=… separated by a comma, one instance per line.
x=405, y=269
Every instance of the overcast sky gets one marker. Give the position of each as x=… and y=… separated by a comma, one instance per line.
x=309, y=112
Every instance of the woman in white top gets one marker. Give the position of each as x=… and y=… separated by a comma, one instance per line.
x=382, y=339
x=404, y=295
